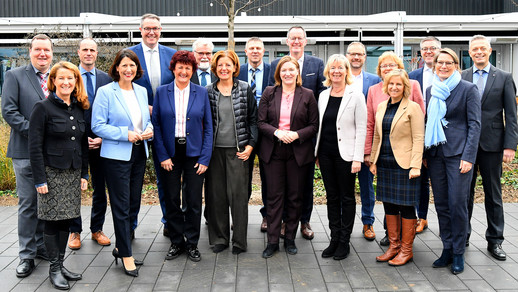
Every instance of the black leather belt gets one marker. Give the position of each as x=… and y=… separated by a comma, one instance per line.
x=181, y=141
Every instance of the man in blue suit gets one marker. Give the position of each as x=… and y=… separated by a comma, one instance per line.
x=93, y=78
x=498, y=92
x=256, y=73
x=312, y=73
x=430, y=47
x=356, y=54
x=154, y=59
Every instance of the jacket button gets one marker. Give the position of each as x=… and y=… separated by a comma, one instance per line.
x=339, y=139
x=188, y=118
x=73, y=127
x=338, y=129
x=187, y=134
x=73, y=138
x=71, y=118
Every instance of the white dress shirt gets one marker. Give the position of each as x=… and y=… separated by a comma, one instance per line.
x=181, y=100
x=152, y=65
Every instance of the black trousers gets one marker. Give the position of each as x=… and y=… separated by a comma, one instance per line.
x=341, y=204
x=264, y=183
x=490, y=166
x=286, y=181
x=406, y=212
x=184, y=226
x=99, y=201
x=124, y=180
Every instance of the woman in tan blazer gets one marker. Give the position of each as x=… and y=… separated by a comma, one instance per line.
x=396, y=158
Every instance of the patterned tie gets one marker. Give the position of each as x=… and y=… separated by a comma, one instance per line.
x=480, y=82
x=90, y=87
x=252, y=81
x=203, y=81
x=43, y=83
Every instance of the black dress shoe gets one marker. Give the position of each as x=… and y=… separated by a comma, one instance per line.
x=25, y=268
x=342, y=251
x=290, y=247
x=457, y=266
x=193, y=253
x=445, y=259
x=330, y=250
x=385, y=241
x=497, y=252
x=174, y=252
x=219, y=248
x=237, y=250
x=271, y=248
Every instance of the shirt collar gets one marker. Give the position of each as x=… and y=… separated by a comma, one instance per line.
x=485, y=69
x=146, y=48
x=259, y=68
x=187, y=89
x=427, y=69
x=83, y=70
x=36, y=70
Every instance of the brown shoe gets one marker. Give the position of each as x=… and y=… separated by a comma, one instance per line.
x=422, y=224
x=393, y=229
x=368, y=232
x=101, y=238
x=306, y=231
x=283, y=230
x=264, y=225
x=407, y=240
x=74, y=241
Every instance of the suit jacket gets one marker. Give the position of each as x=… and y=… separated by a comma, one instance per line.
x=499, y=96
x=21, y=91
x=369, y=80
x=303, y=120
x=198, y=123
x=101, y=79
x=351, y=123
x=196, y=80
x=166, y=76
x=406, y=134
x=243, y=74
x=417, y=75
x=111, y=120
x=312, y=74
x=463, y=116
x=55, y=139
x=376, y=97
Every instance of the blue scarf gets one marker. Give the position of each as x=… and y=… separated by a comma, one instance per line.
x=434, y=133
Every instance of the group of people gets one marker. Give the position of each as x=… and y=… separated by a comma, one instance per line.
x=206, y=117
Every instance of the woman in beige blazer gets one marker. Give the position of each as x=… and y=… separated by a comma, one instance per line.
x=396, y=158
x=339, y=150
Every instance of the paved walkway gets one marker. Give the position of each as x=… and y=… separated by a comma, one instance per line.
x=306, y=271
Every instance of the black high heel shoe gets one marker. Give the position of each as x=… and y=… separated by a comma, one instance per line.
x=133, y=273
x=115, y=254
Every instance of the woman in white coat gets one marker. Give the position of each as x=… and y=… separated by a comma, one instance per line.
x=339, y=150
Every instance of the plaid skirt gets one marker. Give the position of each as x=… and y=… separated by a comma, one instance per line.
x=63, y=201
x=393, y=185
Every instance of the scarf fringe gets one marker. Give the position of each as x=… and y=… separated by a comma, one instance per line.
x=434, y=145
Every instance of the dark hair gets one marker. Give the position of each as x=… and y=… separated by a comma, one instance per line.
x=226, y=53
x=125, y=53
x=183, y=57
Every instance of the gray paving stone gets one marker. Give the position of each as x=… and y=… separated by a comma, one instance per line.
x=479, y=286
x=115, y=280
x=82, y=287
x=420, y=286
x=252, y=279
x=26, y=287
x=177, y=264
x=141, y=287
x=333, y=274
x=223, y=287
x=196, y=280
x=225, y=274
x=168, y=280
x=247, y=260
x=93, y=275
x=338, y=287
x=279, y=274
x=443, y=279
x=387, y=279
x=308, y=261
x=281, y=287
x=147, y=275
x=497, y=277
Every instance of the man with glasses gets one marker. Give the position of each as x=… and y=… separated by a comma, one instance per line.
x=312, y=73
x=203, y=49
x=356, y=54
x=430, y=47
x=154, y=59
x=498, y=141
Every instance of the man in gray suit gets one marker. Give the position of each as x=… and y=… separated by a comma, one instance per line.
x=498, y=141
x=24, y=87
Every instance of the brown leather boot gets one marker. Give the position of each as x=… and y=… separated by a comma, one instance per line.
x=407, y=240
x=393, y=229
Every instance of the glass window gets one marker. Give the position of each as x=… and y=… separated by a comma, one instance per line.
x=374, y=52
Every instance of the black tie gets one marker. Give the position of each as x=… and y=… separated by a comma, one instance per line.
x=252, y=81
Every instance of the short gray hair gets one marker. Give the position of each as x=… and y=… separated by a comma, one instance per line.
x=149, y=16
x=479, y=37
x=202, y=42
x=296, y=26
x=430, y=38
x=356, y=44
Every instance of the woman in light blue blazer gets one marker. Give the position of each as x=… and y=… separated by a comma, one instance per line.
x=120, y=116
x=339, y=150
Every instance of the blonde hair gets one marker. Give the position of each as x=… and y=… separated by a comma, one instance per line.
x=342, y=60
x=79, y=91
x=391, y=56
x=404, y=77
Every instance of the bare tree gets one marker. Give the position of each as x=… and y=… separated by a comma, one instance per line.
x=233, y=11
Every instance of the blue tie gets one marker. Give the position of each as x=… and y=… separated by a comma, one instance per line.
x=480, y=82
x=203, y=81
x=90, y=87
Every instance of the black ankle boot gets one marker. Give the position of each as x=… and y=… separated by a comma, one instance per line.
x=271, y=248
x=445, y=259
x=330, y=250
x=342, y=251
x=55, y=276
x=63, y=239
x=289, y=246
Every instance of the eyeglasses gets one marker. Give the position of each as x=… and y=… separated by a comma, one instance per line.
x=385, y=66
x=429, y=49
x=149, y=29
x=204, y=53
x=356, y=55
x=296, y=39
x=447, y=64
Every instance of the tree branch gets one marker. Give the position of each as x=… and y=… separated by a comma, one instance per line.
x=222, y=3
x=246, y=6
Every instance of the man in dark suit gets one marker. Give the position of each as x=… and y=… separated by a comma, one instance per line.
x=430, y=47
x=203, y=49
x=312, y=73
x=498, y=143
x=154, y=59
x=23, y=87
x=356, y=54
x=93, y=78
x=256, y=73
